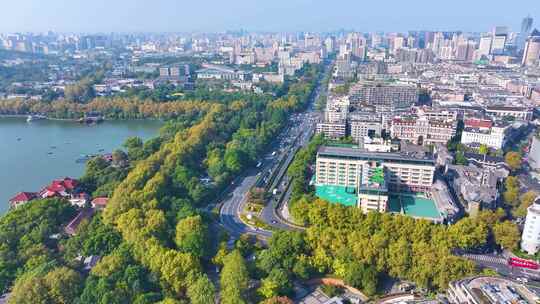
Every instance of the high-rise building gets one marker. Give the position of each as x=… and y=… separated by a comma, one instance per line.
x=526, y=27
x=438, y=41
x=531, y=54
x=465, y=50
x=500, y=36
x=530, y=239
x=399, y=43
x=484, y=48
x=329, y=44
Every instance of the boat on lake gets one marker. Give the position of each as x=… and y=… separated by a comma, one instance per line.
x=84, y=158
x=31, y=118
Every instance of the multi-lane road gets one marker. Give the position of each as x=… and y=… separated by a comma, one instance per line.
x=275, y=163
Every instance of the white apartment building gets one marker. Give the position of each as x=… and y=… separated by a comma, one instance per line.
x=332, y=129
x=519, y=113
x=340, y=166
x=365, y=128
x=530, y=239
x=480, y=132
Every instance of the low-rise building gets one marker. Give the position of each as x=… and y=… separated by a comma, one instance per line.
x=484, y=132
x=519, y=113
x=476, y=187
x=220, y=73
x=332, y=130
x=99, y=203
x=365, y=128
x=423, y=130
x=480, y=290
x=22, y=198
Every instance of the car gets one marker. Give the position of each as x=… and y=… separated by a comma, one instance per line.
x=274, y=222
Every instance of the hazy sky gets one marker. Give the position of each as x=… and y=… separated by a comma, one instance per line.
x=268, y=15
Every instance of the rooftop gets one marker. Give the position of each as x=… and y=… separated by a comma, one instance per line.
x=337, y=195
x=356, y=153
x=417, y=206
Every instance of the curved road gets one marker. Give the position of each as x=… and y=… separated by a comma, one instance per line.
x=303, y=126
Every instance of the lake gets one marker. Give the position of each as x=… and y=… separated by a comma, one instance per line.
x=33, y=154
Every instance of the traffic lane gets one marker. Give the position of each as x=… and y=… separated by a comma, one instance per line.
x=504, y=269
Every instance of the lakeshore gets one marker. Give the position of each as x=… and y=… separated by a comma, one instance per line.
x=35, y=153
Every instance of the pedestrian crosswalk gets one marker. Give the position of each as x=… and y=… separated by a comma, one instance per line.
x=485, y=258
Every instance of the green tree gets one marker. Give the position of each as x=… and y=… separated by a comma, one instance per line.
x=511, y=193
x=484, y=149
x=468, y=233
x=202, y=291
x=191, y=235
x=234, y=279
x=30, y=289
x=513, y=160
x=275, y=284
x=134, y=146
x=507, y=235
x=60, y=286
x=278, y=300
x=524, y=202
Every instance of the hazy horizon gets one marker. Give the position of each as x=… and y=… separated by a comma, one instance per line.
x=279, y=15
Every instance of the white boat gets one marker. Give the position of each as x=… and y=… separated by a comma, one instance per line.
x=34, y=117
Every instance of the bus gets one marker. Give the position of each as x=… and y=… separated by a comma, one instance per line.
x=523, y=263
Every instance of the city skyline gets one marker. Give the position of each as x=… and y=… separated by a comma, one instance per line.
x=298, y=15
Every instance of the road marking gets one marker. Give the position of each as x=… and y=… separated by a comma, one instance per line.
x=486, y=258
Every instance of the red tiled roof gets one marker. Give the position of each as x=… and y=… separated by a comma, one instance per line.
x=100, y=201
x=65, y=185
x=70, y=183
x=23, y=197
x=71, y=228
x=478, y=123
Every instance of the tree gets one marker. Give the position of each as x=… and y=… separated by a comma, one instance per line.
x=460, y=158
x=191, y=235
x=511, y=193
x=134, y=146
x=275, y=284
x=468, y=233
x=119, y=158
x=513, y=160
x=60, y=286
x=278, y=300
x=361, y=276
x=64, y=285
x=201, y=291
x=484, y=150
x=506, y=235
x=80, y=92
x=234, y=279
x=524, y=202
x=29, y=290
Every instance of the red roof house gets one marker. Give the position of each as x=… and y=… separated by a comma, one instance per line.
x=59, y=188
x=72, y=227
x=22, y=198
x=100, y=202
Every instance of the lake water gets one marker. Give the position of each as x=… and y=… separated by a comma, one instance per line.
x=33, y=154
